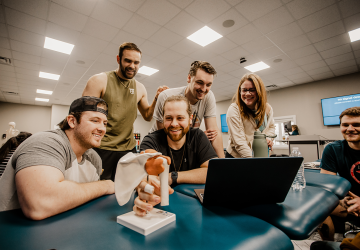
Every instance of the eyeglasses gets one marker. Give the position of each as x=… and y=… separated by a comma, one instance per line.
x=252, y=91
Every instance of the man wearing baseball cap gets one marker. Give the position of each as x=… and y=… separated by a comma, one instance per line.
x=54, y=171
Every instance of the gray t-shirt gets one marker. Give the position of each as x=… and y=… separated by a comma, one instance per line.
x=204, y=108
x=49, y=148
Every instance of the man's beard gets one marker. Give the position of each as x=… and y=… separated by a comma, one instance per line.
x=177, y=137
x=123, y=72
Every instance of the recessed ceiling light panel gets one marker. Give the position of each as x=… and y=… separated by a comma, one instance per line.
x=147, y=71
x=204, y=36
x=257, y=67
x=49, y=76
x=58, y=46
x=46, y=92
x=354, y=35
x=41, y=99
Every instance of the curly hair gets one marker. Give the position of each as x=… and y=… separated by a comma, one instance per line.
x=207, y=67
x=353, y=111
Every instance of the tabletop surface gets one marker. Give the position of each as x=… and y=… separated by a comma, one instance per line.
x=93, y=226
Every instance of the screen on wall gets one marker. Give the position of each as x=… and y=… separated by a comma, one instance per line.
x=332, y=107
x=224, y=127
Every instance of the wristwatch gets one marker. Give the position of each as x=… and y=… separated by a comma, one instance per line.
x=174, y=176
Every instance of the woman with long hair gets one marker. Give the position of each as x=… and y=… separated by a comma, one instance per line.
x=295, y=130
x=248, y=113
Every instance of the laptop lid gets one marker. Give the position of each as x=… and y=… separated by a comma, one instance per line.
x=245, y=182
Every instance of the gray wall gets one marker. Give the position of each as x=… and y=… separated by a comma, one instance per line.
x=28, y=118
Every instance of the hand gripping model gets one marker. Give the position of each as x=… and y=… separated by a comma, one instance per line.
x=131, y=169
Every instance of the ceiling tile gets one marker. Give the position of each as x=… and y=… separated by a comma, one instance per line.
x=3, y=30
x=238, y=35
x=24, y=21
x=314, y=65
x=218, y=61
x=54, y=55
x=185, y=62
x=7, y=67
x=123, y=36
x=232, y=14
x=186, y=47
x=297, y=76
x=26, y=65
x=112, y=49
x=82, y=6
x=229, y=67
x=349, y=7
x=303, y=8
x=305, y=51
x=295, y=43
x=111, y=14
x=4, y=43
x=2, y=16
x=332, y=42
x=100, y=30
x=132, y=5
x=74, y=71
x=292, y=71
x=91, y=43
x=26, y=48
x=27, y=72
x=340, y=58
x=174, y=69
x=181, y=4
x=235, y=54
x=61, y=33
x=141, y=27
x=221, y=45
x=26, y=57
x=37, y=8
x=319, y=19
x=184, y=24
x=356, y=45
x=326, y=32
x=106, y=60
x=318, y=70
x=268, y=53
x=7, y=73
x=253, y=10
x=323, y=76
x=357, y=53
x=203, y=55
x=152, y=49
x=25, y=36
x=346, y=71
x=343, y=65
x=66, y=18
x=284, y=65
x=159, y=11
x=51, y=66
x=165, y=38
x=274, y=20
x=346, y=48
x=207, y=10
x=5, y=53
x=258, y=44
x=285, y=33
x=352, y=22
x=170, y=56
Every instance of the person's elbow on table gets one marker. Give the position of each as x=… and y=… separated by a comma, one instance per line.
x=145, y=201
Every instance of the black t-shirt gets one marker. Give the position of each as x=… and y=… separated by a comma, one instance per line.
x=338, y=157
x=198, y=148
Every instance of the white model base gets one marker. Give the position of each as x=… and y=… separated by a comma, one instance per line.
x=147, y=224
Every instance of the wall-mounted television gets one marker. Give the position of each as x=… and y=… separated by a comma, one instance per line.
x=224, y=127
x=332, y=107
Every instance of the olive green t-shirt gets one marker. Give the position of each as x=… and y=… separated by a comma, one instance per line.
x=121, y=97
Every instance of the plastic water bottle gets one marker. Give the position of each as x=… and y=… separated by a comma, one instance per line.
x=299, y=181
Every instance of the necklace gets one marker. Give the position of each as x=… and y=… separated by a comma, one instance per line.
x=172, y=158
x=122, y=81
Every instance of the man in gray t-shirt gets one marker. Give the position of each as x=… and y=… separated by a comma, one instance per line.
x=54, y=171
x=202, y=100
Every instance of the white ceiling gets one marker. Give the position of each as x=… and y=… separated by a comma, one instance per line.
x=310, y=36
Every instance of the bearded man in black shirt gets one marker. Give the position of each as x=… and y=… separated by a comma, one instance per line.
x=189, y=148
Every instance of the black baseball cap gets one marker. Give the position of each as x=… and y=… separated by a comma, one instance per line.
x=88, y=103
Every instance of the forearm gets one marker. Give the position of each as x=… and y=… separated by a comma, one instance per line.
x=149, y=112
x=194, y=176
x=218, y=145
x=63, y=196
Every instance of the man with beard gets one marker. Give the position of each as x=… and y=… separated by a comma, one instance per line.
x=124, y=96
x=202, y=100
x=343, y=158
x=189, y=148
x=54, y=171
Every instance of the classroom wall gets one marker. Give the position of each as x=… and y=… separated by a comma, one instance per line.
x=28, y=118
x=304, y=101
x=58, y=113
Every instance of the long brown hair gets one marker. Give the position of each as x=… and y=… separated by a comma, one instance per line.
x=260, y=102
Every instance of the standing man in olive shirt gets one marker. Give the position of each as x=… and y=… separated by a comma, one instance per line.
x=124, y=96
